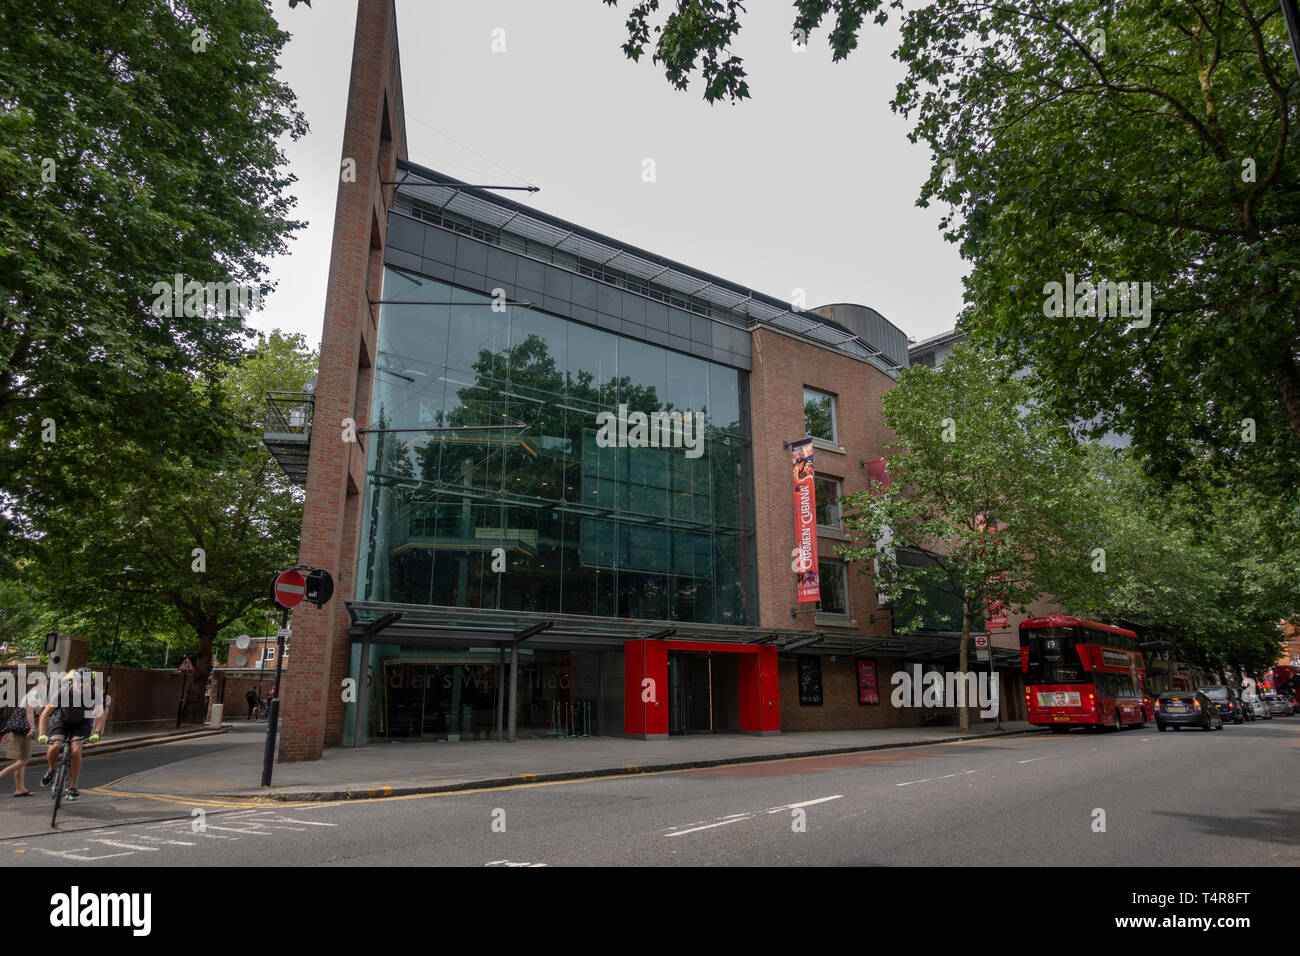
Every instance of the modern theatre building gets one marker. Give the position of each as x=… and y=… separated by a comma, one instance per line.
x=551, y=474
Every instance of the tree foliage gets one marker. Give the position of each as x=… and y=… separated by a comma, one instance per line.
x=206, y=540
x=138, y=142
x=1141, y=141
x=981, y=483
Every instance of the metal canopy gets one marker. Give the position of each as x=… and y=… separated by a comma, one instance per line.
x=447, y=202
x=487, y=627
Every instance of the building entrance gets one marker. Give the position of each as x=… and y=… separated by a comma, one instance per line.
x=703, y=693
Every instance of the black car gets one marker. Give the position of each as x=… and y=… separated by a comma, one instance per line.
x=1187, y=708
x=1228, y=700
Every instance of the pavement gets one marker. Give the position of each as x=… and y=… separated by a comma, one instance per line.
x=400, y=768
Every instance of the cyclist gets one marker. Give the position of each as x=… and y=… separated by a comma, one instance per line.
x=71, y=719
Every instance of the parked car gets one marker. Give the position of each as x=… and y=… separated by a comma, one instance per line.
x=1255, y=708
x=1228, y=700
x=1278, y=705
x=1187, y=708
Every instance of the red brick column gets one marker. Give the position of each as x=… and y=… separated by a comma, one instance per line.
x=374, y=136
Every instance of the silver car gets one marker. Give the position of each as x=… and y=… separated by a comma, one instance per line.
x=1278, y=706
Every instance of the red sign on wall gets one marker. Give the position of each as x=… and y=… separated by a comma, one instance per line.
x=804, y=564
x=868, y=691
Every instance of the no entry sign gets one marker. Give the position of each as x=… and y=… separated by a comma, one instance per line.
x=288, y=589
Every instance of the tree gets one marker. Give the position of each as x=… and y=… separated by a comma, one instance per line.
x=1142, y=142
x=207, y=540
x=981, y=484
x=138, y=142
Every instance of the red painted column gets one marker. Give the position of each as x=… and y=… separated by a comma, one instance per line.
x=647, y=719
x=770, y=691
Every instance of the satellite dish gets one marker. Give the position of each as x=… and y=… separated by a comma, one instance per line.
x=241, y=661
x=242, y=642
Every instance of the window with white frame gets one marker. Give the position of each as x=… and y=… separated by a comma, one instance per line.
x=819, y=415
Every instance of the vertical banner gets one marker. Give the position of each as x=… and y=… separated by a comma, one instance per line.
x=805, y=522
x=884, y=567
x=995, y=611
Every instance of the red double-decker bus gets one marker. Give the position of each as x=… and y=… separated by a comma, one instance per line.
x=1081, y=672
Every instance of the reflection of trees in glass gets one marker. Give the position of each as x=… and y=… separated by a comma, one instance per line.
x=482, y=486
x=818, y=418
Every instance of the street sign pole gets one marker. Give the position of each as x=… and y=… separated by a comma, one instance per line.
x=273, y=712
x=288, y=589
x=997, y=714
x=180, y=706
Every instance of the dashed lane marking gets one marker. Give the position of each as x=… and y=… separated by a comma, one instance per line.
x=960, y=773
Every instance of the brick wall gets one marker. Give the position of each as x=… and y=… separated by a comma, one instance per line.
x=374, y=136
x=141, y=698
x=783, y=365
x=840, y=709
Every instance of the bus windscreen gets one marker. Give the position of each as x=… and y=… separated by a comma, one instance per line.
x=1053, y=657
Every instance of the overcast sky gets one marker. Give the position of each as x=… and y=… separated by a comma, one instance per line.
x=811, y=184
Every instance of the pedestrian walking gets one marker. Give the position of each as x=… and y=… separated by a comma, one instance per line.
x=253, y=703
x=17, y=739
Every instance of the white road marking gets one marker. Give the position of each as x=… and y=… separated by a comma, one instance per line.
x=307, y=823
x=959, y=773
x=707, y=826
x=509, y=863
x=74, y=855
x=1032, y=759
x=144, y=836
x=806, y=803
x=124, y=846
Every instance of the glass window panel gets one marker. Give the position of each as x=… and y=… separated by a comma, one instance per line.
x=648, y=540
x=819, y=414
x=827, y=495
x=834, y=598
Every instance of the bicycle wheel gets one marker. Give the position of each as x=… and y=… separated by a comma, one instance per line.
x=60, y=784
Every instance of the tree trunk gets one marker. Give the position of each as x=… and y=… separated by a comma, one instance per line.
x=196, y=703
x=1288, y=384
x=963, y=663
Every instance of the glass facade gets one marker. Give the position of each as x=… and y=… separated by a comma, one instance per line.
x=429, y=693
x=513, y=467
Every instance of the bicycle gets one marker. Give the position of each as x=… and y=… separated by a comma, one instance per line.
x=62, y=777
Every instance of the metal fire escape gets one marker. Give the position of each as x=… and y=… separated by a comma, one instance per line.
x=288, y=431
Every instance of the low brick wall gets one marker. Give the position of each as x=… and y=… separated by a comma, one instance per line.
x=229, y=689
x=141, y=698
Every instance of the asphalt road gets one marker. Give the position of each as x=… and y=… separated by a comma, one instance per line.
x=31, y=815
x=1178, y=798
